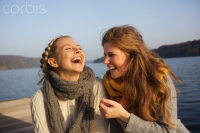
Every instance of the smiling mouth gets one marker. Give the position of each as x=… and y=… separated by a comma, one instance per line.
x=77, y=60
x=112, y=68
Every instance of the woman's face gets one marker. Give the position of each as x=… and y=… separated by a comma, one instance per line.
x=69, y=57
x=115, y=59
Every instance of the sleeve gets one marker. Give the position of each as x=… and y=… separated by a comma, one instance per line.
x=138, y=125
x=99, y=93
x=38, y=113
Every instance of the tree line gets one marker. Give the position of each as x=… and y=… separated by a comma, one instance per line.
x=190, y=48
x=185, y=49
x=15, y=62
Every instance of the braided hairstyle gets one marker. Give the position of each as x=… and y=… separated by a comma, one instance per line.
x=49, y=52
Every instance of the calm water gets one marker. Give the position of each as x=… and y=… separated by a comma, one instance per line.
x=21, y=83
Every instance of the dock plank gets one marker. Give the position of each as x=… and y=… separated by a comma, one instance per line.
x=15, y=116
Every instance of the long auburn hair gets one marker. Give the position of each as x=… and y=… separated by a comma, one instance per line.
x=147, y=95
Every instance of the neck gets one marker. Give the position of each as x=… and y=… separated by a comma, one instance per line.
x=118, y=80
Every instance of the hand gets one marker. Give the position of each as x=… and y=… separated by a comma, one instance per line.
x=112, y=109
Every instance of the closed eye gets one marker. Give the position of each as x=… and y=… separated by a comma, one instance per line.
x=111, y=55
x=68, y=48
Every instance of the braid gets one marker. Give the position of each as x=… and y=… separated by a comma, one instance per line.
x=48, y=53
x=44, y=59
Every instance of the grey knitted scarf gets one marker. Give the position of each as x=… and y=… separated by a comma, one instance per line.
x=55, y=86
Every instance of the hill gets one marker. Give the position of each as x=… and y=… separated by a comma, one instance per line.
x=185, y=49
x=190, y=48
x=15, y=62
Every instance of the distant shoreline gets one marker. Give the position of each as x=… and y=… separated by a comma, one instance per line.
x=185, y=49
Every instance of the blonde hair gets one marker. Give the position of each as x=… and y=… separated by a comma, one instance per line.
x=49, y=52
x=147, y=95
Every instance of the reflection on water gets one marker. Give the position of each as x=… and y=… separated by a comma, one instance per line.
x=20, y=83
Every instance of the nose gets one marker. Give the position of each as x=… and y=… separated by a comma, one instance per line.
x=76, y=50
x=106, y=60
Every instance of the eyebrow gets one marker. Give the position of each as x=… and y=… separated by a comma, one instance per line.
x=109, y=53
x=68, y=45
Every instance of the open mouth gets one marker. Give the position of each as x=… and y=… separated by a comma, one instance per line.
x=112, y=68
x=77, y=60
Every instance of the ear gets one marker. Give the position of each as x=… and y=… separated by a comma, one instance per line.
x=52, y=62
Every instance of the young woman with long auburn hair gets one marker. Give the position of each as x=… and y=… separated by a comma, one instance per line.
x=142, y=94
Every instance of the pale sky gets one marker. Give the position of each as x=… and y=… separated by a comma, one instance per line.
x=27, y=26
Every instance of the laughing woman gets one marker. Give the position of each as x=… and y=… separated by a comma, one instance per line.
x=69, y=98
x=143, y=96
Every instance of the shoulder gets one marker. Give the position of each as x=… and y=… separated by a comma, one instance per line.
x=37, y=94
x=98, y=82
x=170, y=84
x=168, y=79
x=37, y=98
x=99, y=90
x=98, y=86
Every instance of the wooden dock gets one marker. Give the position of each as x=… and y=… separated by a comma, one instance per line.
x=15, y=116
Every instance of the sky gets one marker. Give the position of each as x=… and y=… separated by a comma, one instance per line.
x=27, y=26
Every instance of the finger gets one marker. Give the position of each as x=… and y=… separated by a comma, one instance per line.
x=103, y=107
x=108, y=102
x=103, y=101
x=102, y=110
x=103, y=113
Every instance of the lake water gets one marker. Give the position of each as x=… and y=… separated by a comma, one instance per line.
x=21, y=83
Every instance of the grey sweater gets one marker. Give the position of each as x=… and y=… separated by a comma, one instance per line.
x=138, y=125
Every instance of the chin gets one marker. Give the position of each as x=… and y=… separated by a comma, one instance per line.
x=114, y=76
x=79, y=70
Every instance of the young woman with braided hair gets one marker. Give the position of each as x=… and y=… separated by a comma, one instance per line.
x=143, y=96
x=68, y=101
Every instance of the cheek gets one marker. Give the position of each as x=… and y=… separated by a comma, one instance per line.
x=64, y=58
x=119, y=62
x=122, y=65
x=83, y=55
